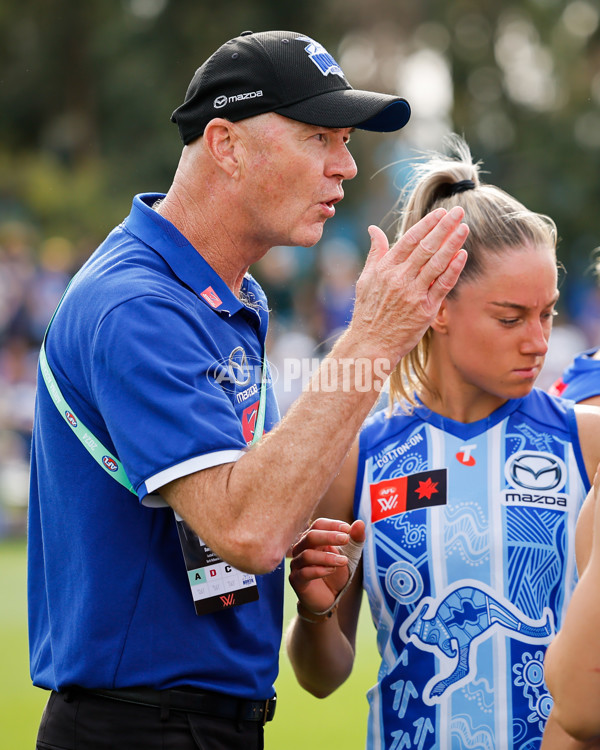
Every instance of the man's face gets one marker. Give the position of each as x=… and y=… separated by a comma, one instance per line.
x=293, y=176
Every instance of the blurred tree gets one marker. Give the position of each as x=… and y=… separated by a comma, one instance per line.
x=86, y=92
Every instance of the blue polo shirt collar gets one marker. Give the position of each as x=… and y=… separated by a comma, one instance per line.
x=181, y=256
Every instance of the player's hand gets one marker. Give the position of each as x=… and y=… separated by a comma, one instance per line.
x=317, y=569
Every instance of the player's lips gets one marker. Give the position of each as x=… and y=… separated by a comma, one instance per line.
x=528, y=372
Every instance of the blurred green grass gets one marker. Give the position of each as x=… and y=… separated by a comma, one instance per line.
x=301, y=721
x=21, y=704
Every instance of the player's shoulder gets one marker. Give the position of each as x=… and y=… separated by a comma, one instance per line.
x=387, y=424
x=546, y=403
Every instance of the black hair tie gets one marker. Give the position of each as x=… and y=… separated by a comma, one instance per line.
x=448, y=189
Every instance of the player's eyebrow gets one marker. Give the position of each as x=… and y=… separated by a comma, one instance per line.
x=522, y=308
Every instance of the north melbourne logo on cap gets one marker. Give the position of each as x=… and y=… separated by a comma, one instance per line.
x=321, y=58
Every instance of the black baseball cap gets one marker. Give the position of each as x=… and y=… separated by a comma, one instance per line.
x=286, y=73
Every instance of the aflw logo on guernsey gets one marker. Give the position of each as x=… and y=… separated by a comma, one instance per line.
x=422, y=490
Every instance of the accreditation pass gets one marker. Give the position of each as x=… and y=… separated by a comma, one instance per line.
x=215, y=584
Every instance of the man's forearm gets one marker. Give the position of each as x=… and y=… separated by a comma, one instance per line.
x=274, y=488
x=250, y=512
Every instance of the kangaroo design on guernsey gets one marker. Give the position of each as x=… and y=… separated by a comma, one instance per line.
x=464, y=617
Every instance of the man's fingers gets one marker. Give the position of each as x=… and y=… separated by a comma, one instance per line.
x=379, y=246
x=428, y=226
x=449, y=226
x=444, y=282
x=442, y=264
x=441, y=243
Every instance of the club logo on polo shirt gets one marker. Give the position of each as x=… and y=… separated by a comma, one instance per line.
x=249, y=416
x=424, y=489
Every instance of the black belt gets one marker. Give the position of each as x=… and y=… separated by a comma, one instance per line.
x=194, y=701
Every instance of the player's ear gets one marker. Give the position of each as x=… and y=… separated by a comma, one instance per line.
x=440, y=322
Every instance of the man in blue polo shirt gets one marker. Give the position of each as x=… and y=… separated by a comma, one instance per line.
x=159, y=513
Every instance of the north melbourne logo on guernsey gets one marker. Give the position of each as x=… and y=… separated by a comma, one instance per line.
x=320, y=57
x=422, y=490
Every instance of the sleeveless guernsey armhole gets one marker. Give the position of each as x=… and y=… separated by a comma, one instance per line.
x=574, y=431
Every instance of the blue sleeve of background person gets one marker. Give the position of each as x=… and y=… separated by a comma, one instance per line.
x=582, y=378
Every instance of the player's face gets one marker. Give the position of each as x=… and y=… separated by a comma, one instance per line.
x=496, y=328
x=294, y=179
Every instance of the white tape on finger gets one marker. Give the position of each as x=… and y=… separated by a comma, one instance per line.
x=353, y=551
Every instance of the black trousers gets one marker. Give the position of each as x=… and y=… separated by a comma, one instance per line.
x=85, y=721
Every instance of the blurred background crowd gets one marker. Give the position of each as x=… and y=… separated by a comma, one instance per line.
x=87, y=89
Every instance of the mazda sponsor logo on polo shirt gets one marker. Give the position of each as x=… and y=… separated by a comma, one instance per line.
x=241, y=374
x=238, y=366
x=535, y=478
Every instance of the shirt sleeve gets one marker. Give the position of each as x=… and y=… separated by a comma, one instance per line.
x=153, y=378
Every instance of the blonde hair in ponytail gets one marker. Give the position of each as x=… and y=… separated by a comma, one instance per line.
x=497, y=222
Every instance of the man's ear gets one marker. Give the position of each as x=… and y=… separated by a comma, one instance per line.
x=440, y=322
x=220, y=138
